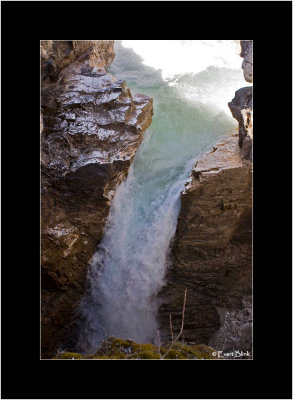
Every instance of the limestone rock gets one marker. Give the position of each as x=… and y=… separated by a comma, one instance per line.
x=91, y=127
x=242, y=110
x=235, y=332
x=211, y=252
x=241, y=106
x=247, y=54
x=57, y=54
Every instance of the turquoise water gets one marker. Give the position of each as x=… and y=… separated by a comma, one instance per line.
x=190, y=115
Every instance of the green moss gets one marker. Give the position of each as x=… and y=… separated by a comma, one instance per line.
x=145, y=347
x=120, y=349
x=121, y=342
x=199, y=351
x=174, y=355
x=148, y=355
x=205, y=352
x=69, y=356
x=99, y=358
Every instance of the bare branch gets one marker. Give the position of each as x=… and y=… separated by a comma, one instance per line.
x=182, y=325
x=159, y=342
x=171, y=327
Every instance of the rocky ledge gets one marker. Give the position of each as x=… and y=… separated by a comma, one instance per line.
x=91, y=127
x=211, y=251
x=211, y=255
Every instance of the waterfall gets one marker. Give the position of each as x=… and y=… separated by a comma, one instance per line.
x=191, y=83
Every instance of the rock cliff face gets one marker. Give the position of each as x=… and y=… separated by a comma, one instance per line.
x=58, y=54
x=211, y=255
x=91, y=127
x=241, y=109
x=212, y=248
x=247, y=54
x=241, y=106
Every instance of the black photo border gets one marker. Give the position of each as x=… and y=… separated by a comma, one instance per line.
x=269, y=25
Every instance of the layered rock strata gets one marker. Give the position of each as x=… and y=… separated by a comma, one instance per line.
x=91, y=127
x=211, y=255
x=211, y=252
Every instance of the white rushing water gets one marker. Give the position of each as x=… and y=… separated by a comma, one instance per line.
x=191, y=83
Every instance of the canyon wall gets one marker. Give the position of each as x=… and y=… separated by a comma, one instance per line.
x=211, y=255
x=91, y=127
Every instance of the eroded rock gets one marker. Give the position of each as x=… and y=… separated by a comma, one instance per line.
x=242, y=110
x=247, y=54
x=91, y=127
x=241, y=106
x=58, y=54
x=235, y=332
x=211, y=252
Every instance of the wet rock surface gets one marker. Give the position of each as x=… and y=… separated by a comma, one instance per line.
x=242, y=110
x=58, y=54
x=247, y=54
x=211, y=252
x=91, y=127
x=241, y=106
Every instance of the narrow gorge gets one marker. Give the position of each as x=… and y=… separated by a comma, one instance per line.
x=146, y=179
